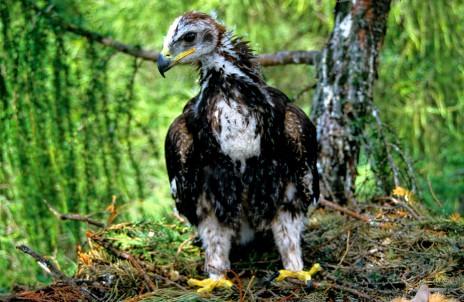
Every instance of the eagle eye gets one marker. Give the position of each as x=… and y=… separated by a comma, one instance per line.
x=189, y=37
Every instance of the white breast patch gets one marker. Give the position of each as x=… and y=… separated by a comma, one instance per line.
x=237, y=134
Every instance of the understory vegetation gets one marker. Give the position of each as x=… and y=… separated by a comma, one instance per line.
x=387, y=253
x=82, y=126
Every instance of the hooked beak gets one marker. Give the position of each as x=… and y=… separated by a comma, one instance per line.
x=165, y=62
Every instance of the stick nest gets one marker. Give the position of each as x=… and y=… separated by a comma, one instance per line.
x=387, y=257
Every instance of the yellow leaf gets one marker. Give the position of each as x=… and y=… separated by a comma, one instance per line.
x=405, y=193
x=83, y=257
x=456, y=217
x=112, y=210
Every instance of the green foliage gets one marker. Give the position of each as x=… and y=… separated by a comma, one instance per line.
x=156, y=242
x=420, y=91
x=67, y=135
x=80, y=123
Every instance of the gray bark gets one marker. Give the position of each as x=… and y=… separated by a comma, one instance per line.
x=343, y=95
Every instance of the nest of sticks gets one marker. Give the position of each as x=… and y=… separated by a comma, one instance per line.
x=379, y=251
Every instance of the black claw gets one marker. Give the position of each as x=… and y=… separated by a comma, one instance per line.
x=272, y=278
x=309, y=284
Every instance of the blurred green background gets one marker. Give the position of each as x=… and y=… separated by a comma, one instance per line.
x=80, y=123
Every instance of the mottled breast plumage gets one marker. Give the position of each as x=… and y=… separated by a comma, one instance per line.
x=237, y=130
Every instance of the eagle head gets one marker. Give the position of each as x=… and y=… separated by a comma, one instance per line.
x=190, y=37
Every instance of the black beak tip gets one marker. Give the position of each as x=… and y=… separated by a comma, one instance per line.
x=163, y=64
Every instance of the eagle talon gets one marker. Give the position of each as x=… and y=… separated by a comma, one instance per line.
x=304, y=276
x=272, y=278
x=309, y=284
x=208, y=285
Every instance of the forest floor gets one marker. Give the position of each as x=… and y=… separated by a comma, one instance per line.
x=376, y=252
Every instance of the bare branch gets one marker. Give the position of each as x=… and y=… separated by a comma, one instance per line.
x=333, y=205
x=131, y=50
x=265, y=60
x=74, y=217
x=43, y=262
x=57, y=275
x=308, y=57
x=270, y=59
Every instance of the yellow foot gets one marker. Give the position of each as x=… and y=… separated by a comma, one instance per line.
x=207, y=285
x=301, y=275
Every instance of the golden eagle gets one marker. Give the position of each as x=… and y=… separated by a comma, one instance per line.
x=241, y=158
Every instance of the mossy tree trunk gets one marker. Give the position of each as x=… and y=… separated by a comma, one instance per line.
x=346, y=75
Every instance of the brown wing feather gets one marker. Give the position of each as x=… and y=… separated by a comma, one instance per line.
x=301, y=140
x=182, y=166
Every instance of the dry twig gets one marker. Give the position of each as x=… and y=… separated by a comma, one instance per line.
x=347, y=248
x=74, y=217
x=44, y=263
x=57, y=275
x=353, y=291
x=348, y=212
x=126, y=256
x=239, y=285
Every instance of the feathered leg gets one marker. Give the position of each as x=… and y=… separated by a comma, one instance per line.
x=216, y=239
x=287, y=229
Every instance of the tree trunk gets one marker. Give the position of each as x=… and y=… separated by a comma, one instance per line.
x=342, y=99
